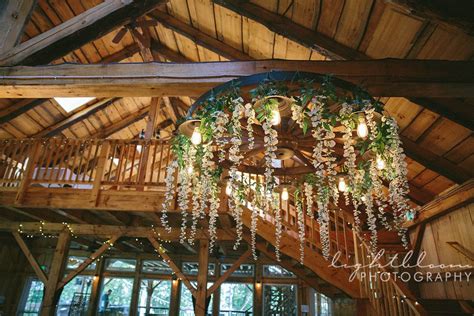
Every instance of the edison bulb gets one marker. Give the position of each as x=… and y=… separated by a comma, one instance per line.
x=276, y=118
x=363, y=199
x=362, y=130
x=228, y=189
x=380, y=163
x=190, y=169
x=342, y=185
x=196, y=138
x=284, y=195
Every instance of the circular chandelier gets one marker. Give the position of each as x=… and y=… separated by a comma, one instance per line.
x=315, y=140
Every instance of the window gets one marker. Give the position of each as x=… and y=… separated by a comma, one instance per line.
x=127, y=265
x=186, y=304
x=156, y=266
x=274, y=271
x=32, y=298
x=192, y=268
x=70, y=104
x=236, y=299
x=322, y=305
x=116, y=296
x=279, y=299
x=75, y=297
x=245, y=270
x=73, y=262
x=155, y=297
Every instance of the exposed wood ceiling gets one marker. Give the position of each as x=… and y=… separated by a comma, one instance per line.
x=437, y=132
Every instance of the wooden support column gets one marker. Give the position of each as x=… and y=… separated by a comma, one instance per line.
x=200, y=305
x=258, y=290
x=34, y=264
x=217, y=293
x=136, y=290
x=175, y=297
x=56, y=271
x=95, y=292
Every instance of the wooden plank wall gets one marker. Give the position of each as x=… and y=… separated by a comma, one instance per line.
x=455, y=226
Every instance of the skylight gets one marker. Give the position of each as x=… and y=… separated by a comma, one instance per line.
x=70, y=104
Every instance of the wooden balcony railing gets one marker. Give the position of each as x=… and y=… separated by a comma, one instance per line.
x=83, y=164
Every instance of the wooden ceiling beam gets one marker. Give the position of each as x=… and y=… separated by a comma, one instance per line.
x=75, y=118
x=387, y=77
x=78, y=31
x=167, y=53
x=109, y=230
x=198, y=37
x=23, y=106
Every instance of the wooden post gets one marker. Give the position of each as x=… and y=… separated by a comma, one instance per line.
x=28, y=174
x=258, y=290
x=136, y=290
x=175, y=297
x=217, y=293
x=104, y=153
x=200, y=306
x=56, y=272
x=95, y=292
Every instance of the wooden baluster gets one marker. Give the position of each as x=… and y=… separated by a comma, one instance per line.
x=85, y=167
x=346, y=249
x=108, y=171
x=11, y=159
x=52, y=160
x=76, y=155
x=104, y=153
x=30, y=168
x=8, y=161
x=94, y=160
x=153, y=162
x=336, y=223
x=60, y=162
x=67, y=156
x=81, y=153
x=126, y=155
x=21, y=160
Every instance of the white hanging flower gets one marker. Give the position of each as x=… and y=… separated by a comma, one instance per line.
x=169, y=195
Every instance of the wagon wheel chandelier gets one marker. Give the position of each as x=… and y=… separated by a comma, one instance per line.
x=307, y=136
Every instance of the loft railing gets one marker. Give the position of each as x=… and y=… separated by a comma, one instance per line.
x=84, y=164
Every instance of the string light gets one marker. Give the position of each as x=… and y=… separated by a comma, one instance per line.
x=342, y=186
x=380, y=163
x=362, y=130
x=276, y=117
x=196, y=137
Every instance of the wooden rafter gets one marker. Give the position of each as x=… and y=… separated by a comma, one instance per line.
x=72, y=274
x=387, y=77
x=34, y=264
x=446, y=202
x=78, y=31
x=334, y=50
x=75, y=118
x=285, y=27
x=13, y=16
x=197, y=36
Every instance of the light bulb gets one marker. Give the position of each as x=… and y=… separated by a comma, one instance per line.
x=342, y=185
x=363, y=199
x=380, y=163
x=284, y=195
x=276, y=118
x=196, y=137
x=190, y=169
x=362, y=130
x=228, y=189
